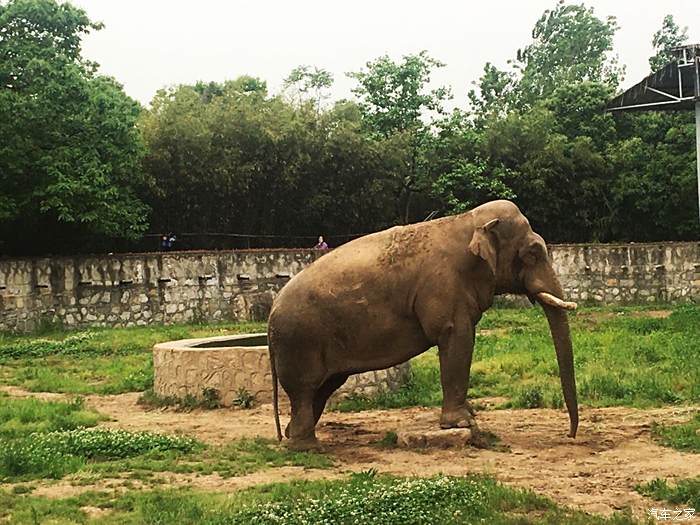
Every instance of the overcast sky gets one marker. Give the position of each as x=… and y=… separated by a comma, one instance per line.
x=150, y=44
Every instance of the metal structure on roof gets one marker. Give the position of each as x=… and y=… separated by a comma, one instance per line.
x=674, y=87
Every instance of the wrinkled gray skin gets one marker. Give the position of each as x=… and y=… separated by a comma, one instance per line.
x=384, y=298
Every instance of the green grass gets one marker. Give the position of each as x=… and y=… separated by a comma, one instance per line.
x=684, y=436
x=95, y=361
x=621, y=356
x=363, y=498
x=236, y=458
x=20, y=417
x=49, y=439
x=685, y=492
x=209, y=399
x=55, y=454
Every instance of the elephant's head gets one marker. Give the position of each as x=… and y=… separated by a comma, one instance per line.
x=520, y=264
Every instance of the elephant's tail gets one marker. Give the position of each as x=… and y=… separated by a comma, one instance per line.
x=275, y=392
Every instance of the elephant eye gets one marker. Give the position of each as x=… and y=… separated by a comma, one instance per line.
x=533, y=253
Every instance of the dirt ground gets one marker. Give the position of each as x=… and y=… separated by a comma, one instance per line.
x=596, y=472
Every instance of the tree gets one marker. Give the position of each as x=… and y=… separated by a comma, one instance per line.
x=398, y=108
x=69, y=149
x=241, y=161
x=570, y=44
x=394, y=96
x=304, y=82
x=664, y=40
x=463, y=177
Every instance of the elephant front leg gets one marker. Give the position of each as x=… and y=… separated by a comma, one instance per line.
x=456, y=346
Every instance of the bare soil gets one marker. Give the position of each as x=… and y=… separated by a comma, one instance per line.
x=596, y=472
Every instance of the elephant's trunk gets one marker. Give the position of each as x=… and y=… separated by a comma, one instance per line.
x=561, y=335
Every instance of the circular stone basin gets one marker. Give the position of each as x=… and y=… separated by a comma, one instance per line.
x=235, y=364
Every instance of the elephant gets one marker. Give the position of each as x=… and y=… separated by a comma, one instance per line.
x=386, y=297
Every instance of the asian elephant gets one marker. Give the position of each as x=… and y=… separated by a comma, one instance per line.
x=384, y=298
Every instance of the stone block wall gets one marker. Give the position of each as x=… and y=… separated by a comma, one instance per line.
x=139, y=289
x=629, y=273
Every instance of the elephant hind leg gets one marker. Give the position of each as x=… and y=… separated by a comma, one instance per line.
x=301, y=427
x=331, y=384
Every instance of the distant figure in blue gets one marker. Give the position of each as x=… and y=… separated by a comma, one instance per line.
x=167, y=242
x=321, y=244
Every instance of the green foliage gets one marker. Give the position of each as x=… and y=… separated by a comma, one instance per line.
x=683, y=436
x=244, y=399
x=665, y=39
x=581, y=174
x=57, y=453
x=305, y=82
x=210, y=399
x=69, y=148
x=277, y=167
x=73, y=344
x=531, y=397
x=24, y=416
x=389, y=440
x=371, y=499
x=570, y=44
x=421, y=389
x=621, y=359
x=444, y=500
x=103, y=361
x=236, y=458
x=684, y=492
x=394, y=96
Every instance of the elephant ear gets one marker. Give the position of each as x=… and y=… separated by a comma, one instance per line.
x=482, y=244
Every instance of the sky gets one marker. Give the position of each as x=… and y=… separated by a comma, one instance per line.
x=150, y=44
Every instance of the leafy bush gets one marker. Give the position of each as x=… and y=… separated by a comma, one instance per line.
x=244, y=399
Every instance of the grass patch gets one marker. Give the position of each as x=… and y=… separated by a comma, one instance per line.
x=209, y=399
x=47, y=439
x=685, y=492
x=20, y=417
x=96, y=361
x=55, y=454
x=685, y=436
x=363, y=498
x=422, y=388
x=236, y=458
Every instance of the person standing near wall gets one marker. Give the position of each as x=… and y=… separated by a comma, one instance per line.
x=321, y=245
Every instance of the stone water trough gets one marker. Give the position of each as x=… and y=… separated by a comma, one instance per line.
x=232, y=364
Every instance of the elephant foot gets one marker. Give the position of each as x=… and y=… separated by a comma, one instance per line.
x=459, y=418
x=310, y=444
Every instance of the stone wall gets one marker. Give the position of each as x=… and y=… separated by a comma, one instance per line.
x=139, y=289
x=629, y=273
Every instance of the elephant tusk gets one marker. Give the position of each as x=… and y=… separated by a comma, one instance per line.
x=549, y=299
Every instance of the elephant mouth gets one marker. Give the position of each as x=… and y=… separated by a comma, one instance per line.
x=551, y=300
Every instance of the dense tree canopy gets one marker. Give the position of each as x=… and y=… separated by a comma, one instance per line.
x=70, y=153
x=83, y=167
